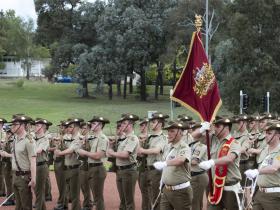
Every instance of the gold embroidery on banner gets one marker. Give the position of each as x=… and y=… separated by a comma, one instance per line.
x=204, y=80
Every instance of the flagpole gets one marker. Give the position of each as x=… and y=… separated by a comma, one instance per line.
x=206, y=29
x=198, y=24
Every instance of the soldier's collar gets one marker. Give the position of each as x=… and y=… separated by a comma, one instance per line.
x=275, y=150
x=130, y=134
x=177, y=145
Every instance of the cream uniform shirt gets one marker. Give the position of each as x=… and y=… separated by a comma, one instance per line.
x=23, y=149
x=156, y=141
x=130, y=144
x=42, y=143
x=74, y=144
x=174, y=175
x=98, y=143
x=268, y=158
x=233, y=173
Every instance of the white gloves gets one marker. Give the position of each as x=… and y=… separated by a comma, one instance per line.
x=207, y=164
x=204, y=126
x=251, y=173
x=159, y=165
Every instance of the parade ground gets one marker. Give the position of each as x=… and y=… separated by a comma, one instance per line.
x=110, y=194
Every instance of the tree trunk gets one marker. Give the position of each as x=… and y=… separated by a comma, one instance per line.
x=27, y=69
x=110, y=92
x=124, y=87
x=119, y=88
x=131, y=84
x=143, y=95
x=85, y=89
x=161, y=79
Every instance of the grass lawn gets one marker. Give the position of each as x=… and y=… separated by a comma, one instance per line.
x=56, y=102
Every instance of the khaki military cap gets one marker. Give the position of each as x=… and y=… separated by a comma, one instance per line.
x=195, y=125
x=21, y=119
x=242, y=117
x=267, y=116
x=2, y=120
x=159, y=116
x=183, y=117
x=42, y=121
x=273, y=125
x=254, y=118
x=223, y=120
x=176, y=125
x=128, y=116
x=73, y=120
x=143, y=120
x=99, y=119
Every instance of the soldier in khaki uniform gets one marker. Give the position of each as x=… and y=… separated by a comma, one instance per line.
x=7, y=168
x=259, y=140
x=23, y=163
x=2, y=138
x=199, y=181
x=42, y=169
x=242, y=135
x=84, y=168
x=59, y=171
x=153, y=149
x=177, y=191
x=142, y=163
x=96, y=157
x=268, y=173
x=187, y=137
x=221, y=142
x=72, y=164
x=126, y=162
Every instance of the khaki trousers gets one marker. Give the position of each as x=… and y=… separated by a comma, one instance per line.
x=144, y=188
x=8, y=178
x=228, y=202
x=22, y=192
x=41, y=178
x=266, y=201
x=61, y=182
x=72, y=176
x=85, y=186
x=126, y=181
x=97, y=177
x=199, y=184
x=176, y=199
x=154, y=177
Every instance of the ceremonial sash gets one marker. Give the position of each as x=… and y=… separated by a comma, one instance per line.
x=220, y=175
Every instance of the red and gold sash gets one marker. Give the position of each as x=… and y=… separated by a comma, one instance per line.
x=220, y=175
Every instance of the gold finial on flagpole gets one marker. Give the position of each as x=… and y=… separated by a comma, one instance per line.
x=198, y=22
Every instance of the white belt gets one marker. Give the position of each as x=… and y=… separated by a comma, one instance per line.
x=270, y=189
x=178, y=187
x=236, y=189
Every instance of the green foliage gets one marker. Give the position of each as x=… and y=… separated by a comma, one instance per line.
x=2, y=65
x=20, y=83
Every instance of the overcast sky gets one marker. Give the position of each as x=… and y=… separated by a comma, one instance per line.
x=23, y=8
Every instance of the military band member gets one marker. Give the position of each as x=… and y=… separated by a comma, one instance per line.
x=126, y=162
x=153, y=149
x=7, y=168
x=42, y=169
x=177, y=191
x=142, y=163
x=268, y=173
x=225, y=154
x=72, y=164
x=96, y=157
x=199, y=181
x=23, y=163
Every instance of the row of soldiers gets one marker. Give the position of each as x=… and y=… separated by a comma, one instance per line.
x=170, y=168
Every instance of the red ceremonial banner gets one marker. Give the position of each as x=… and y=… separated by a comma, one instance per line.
x=197, y=87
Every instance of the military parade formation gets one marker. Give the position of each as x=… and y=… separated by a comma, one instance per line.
x=168, y=160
